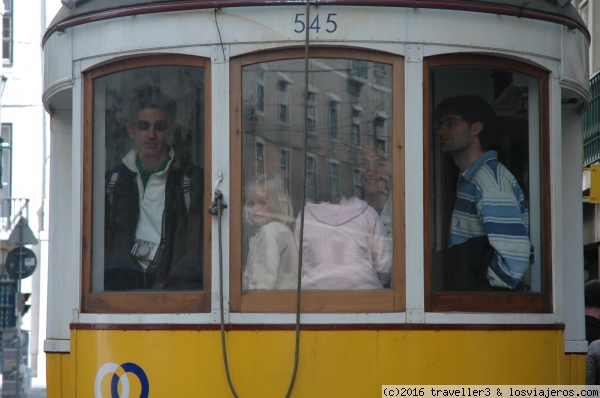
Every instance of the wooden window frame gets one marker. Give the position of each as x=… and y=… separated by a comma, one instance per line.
x=314, y=301
x=494, y=302
x=154, y=301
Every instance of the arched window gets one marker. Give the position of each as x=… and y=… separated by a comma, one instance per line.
x=350, y=265
x=487, y=195
x=145, y=197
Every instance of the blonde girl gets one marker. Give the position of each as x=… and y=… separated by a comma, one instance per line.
x=273, y=257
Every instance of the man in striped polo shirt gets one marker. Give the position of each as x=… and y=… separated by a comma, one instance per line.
x=489, y=201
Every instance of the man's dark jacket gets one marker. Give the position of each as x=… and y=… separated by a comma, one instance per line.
x=180, y=266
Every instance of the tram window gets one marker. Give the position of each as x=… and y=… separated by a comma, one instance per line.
x=484, y=165
x=347, y=229
x=148, y=230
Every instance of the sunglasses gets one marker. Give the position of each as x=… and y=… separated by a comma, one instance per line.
x=448, y=122
x=144, y=125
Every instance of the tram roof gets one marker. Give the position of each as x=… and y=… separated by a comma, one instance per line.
x=79, y=12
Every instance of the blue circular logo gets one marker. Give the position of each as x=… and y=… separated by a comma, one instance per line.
x=120, y=375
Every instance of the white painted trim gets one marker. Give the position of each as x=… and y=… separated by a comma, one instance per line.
x=57, y=346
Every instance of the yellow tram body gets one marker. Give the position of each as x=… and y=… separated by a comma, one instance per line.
x=354, y=363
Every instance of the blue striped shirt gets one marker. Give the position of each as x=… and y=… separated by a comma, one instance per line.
x=490, y=202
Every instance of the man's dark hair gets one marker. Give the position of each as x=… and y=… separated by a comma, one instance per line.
x=592, y=293
x=472, y=109
x=151, y=97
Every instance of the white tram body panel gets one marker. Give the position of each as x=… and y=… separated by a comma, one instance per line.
x=91, y=36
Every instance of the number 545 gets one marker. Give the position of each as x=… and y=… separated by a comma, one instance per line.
x=315, y=24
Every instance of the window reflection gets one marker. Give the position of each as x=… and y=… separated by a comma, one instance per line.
x=148, y=159
x=375, y=177
x=347, y=231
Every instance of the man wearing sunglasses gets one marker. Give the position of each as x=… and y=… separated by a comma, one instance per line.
x=153, y=225
x=489, y=232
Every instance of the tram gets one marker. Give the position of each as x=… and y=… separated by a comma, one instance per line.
x=337, y=100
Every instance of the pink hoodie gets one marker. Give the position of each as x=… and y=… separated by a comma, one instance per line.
x=345, y=246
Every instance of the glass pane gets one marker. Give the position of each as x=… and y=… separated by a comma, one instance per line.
x=148, y=179
x=347, y=231
x=485, y=180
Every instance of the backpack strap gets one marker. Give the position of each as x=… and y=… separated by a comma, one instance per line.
x=112, y=182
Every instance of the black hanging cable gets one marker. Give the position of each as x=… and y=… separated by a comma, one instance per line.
x=216, y=208
x=302, y=203
x=522, y=8
x=220, y=38
x=219, y=199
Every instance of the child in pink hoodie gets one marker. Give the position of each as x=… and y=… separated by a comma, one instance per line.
x=345, y=246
